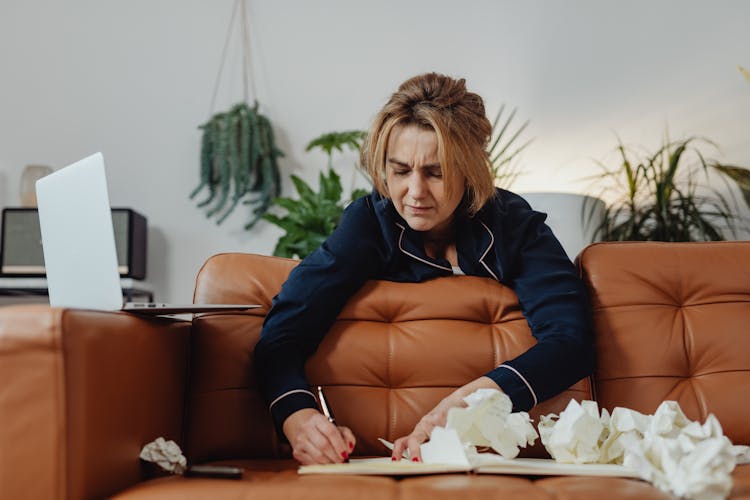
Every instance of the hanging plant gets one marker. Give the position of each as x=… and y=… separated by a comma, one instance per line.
x=238, y=150
x=238, y=163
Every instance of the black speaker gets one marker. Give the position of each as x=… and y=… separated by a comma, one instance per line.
x=21, y=245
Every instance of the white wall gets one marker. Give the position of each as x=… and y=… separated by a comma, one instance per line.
x=134, y=79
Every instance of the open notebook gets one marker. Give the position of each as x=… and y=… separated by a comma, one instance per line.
x=78, y=241
x=490, y=464
x=445, y=453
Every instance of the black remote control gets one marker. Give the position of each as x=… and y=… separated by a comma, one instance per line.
x=217, y=471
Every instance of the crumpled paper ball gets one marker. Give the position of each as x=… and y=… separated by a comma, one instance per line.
x=683, y=457
x=576, y=435
x=166, y=454
x=675, y=454
x=624, y=429
x=488, y=421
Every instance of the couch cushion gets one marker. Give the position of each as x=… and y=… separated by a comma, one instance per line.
x=269, y=479
x=741, y=482
x=596, y=488
x=470, y=486
x=395, y=350
x=672, y=323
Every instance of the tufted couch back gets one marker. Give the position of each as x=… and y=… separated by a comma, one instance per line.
x=395, y=350
x=671, y=322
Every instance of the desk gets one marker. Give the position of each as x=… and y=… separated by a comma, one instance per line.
x=25, y=287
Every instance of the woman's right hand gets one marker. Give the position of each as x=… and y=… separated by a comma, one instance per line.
x=315, y=440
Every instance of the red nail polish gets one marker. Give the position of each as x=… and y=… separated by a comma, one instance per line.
x=415, y=459
x=344, y=455
x=393, y=459
x=351, y=446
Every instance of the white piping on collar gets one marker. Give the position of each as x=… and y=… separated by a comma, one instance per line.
x=401, y=237
x=481, y=259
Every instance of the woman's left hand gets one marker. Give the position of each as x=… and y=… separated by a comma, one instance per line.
x=437, y=417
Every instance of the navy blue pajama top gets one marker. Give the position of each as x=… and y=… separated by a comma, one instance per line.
x=506, y=241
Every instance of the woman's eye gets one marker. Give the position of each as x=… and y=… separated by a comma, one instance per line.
x=400, y=173
x=436, y=173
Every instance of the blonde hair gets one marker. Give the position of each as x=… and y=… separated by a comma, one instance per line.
x=442, y=104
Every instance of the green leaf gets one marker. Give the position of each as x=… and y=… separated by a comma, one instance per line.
x=741, y=176
x=238, y=156
x=304, y=189
x=312, y=215
x=330, y=186
x=502, y=152
x=659, y=200
x=351, y=139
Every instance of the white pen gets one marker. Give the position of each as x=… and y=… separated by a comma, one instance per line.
x=329, y=415
x=324, y=406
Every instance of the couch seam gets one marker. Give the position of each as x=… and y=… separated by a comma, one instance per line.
x=389, y=401
x=717, y=372
x=495, y=347
x=188, y=395
x=61, y=406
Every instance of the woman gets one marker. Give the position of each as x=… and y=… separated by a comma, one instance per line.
x=434, y=212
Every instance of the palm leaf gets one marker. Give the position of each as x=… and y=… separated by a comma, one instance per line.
x=741, y=176
x=502, y=151
x=660, y=200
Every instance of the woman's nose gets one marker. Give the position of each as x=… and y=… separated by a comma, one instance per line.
x=417, y=187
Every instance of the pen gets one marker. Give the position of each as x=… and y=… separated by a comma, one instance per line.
x=324, y=406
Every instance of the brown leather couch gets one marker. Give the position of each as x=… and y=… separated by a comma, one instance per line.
x=82, y=391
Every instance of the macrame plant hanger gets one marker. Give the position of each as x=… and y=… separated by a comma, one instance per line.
x=247, y=75
x=238, y=150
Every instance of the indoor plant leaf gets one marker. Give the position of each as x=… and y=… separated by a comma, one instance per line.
x=660, y=198
x=338, y=140
x=238, y=158
x=741, y=176
x=500, y=152
x=313, y=215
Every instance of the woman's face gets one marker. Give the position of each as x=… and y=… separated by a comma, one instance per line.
x=415, y=180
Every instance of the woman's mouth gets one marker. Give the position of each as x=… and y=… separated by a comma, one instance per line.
x=418, y=210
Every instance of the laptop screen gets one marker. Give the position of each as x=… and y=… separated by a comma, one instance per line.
x=77, y=237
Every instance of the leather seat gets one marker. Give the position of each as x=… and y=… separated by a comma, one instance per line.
x=86, y=390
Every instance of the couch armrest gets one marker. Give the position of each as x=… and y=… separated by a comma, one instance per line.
x=80, y=393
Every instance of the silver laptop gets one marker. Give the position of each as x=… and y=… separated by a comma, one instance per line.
x=78, y=241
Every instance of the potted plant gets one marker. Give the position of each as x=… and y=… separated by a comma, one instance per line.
x=659, y=196
x=502, y=152
x=741, y=176
x=238, y=163
x=313, y=216
x=238, y=150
